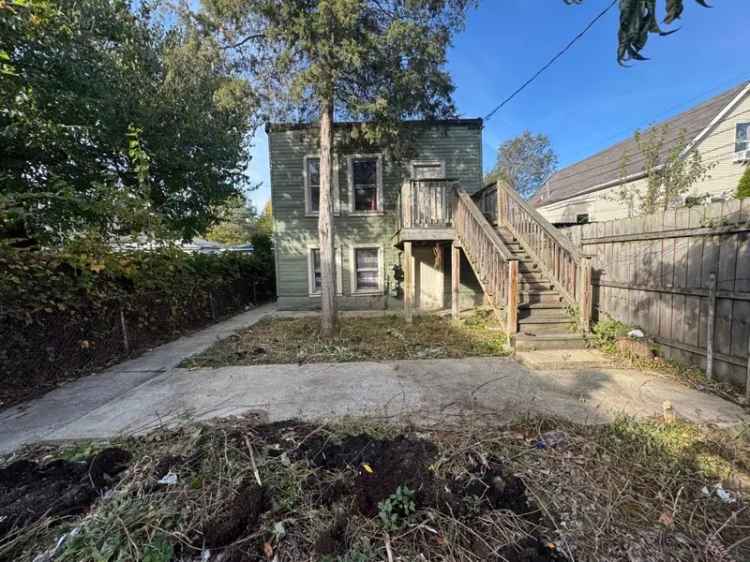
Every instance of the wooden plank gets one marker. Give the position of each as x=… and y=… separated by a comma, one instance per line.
x=740, y=327
x=408, y=282
x=710, y=327
x=512, y=298
x=455, y=280
x=694, y=278
x=691, y=319
x=723, y=337
x=665, y=315
x=676, y=233
x=727, y=268
x=702, y=292
x=742, y=268
x=710, y=259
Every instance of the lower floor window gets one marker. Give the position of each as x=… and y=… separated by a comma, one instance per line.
x=315, y=278
x=367, y=269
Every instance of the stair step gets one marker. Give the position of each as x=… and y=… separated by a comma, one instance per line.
x=522, y=342
x=541, y=297
x=554, y=305
x=535, y=285
x=534, y=277
x=537, y=326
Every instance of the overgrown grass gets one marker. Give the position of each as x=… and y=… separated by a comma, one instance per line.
x=604, y=336
x=629, y=490
x=280, y=340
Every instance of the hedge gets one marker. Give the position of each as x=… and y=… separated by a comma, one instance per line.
x=64, y=314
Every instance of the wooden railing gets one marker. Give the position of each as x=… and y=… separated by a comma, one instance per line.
x=494, y=265
x=555, y=254
x=426, y=204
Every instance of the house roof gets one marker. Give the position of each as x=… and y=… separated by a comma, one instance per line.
x=272, y=127
x=605, y=168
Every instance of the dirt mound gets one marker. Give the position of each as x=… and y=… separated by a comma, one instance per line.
x=382, y=466
x=238, y=518
x=29, y=491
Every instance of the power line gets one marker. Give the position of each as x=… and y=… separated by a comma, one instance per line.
x=552, y=60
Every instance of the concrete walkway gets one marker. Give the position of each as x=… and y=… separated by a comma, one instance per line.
x=151, y=391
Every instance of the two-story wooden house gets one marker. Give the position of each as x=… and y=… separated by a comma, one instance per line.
x=420, y=233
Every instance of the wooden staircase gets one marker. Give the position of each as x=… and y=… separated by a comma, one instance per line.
x=544, y=319
x=529, y=270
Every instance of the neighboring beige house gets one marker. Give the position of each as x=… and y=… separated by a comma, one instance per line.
x=719, y=128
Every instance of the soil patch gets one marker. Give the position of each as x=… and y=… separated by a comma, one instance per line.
x=239, y=516
x=30, y=491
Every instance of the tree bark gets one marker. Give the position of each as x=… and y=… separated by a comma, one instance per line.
x=325, y=223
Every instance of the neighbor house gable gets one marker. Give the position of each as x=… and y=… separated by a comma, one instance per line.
x=623, y=162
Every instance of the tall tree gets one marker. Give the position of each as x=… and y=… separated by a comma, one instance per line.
x=375, y=61
x=237, y=222
x=108, y=116
x=525, y=162
x=638, y=19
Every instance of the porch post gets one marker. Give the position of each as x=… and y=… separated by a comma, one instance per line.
x=455, y=279
x=585, y=296
x=511, y=308
x=408, y=282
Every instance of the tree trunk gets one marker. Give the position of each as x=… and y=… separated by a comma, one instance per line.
x=325, y=223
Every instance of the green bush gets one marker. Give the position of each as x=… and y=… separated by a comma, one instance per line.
x=62, y=313
x=743, y=187
x=606, y=331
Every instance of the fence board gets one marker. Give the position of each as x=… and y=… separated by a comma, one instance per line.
x=659, y=281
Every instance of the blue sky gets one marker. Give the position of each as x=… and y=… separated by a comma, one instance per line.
x=585, y=101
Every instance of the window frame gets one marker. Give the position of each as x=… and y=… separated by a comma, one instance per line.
x=353, y=273
x=415, y=163
x=379, y=182
x=306, y=179
x=311, y=290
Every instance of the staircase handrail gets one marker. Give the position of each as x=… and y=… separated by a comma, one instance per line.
x=567, y=268
x=494, y=265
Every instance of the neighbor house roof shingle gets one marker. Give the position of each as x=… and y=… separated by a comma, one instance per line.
x=609, y=165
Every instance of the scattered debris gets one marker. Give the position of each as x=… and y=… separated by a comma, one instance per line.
x=552, y=439
x=636, y=334
x=169, y=479
x=718, y=490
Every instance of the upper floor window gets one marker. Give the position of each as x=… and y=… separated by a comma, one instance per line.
x=365, y=184
x=432, y=169
x=742, y=137
x=312, y=184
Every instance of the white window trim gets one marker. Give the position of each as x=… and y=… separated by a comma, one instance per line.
x=353, y=272
x=415, y=163
x=336, y=192
x=311, y=290
x=350, y=180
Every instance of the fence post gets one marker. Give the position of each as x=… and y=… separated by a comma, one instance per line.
x=710, y=326
x=455, y=280
x=211, y=304
x=747, y=380
x=586, y=294
x=124, y=328
x=511, y=312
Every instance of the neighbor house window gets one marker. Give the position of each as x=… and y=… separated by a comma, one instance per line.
x=365, y=184
x=314, y=280
x=312, y=185
x=367, y=270
x=742, y=137
x=421, y=170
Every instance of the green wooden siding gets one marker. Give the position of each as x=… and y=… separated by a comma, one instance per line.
x=457, y=144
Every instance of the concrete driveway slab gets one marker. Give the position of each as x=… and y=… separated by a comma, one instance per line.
x=37, y=419
x=151, y=391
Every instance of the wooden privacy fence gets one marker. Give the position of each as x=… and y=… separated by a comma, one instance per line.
x=683, y=277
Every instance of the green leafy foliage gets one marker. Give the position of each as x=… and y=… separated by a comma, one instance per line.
x=638, y=19
x=237, y=222
x=672, y=171
x=605, y=333
x=395, y=510
x=525, y=163
x=743, y=187
x=62, y=312
x=113, y=123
